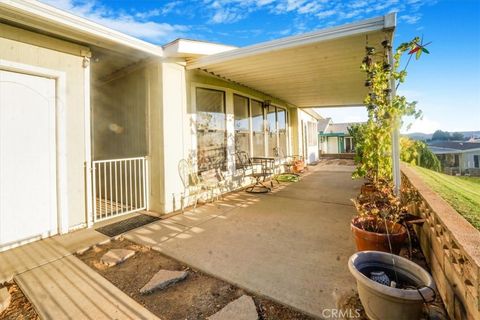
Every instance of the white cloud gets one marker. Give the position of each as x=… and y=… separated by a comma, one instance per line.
x=424, y=125
x=131, y=24
x=410, y=19
x=229, y=11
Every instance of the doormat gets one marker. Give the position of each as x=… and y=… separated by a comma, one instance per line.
x=117, y=228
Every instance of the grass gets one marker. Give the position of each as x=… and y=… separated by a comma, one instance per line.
x=462, y=193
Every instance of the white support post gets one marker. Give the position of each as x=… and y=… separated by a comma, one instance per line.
x=396, y=158
x=395, y=138
x=88, y=137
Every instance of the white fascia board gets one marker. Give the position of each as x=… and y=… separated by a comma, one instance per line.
x=365, y=26
x=38, y=10
x=192, y=48
x=312, y=113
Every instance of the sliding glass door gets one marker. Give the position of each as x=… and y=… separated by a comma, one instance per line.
x=211, y=129
x=258, y=129
x=241, y=111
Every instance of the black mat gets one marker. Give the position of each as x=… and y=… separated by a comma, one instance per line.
x=117, y=228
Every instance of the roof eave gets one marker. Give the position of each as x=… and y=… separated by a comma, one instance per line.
x=42, y=12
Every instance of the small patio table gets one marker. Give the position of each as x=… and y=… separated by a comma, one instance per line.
x=263, y=168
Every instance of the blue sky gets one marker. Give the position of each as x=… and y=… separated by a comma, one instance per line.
x=445, y=83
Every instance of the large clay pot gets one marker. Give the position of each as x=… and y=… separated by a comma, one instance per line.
x=379, y=241
x=367, y=188
x=385, y=302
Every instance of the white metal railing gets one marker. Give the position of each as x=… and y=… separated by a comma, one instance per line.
x=119, y=187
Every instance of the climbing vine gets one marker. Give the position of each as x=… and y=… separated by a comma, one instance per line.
x=385, y=108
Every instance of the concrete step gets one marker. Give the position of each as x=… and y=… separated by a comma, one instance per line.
x=68, y=289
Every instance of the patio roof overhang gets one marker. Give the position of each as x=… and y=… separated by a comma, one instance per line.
x=312, y=70
x=48, y=20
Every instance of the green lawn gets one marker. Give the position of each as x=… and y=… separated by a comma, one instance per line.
x=463, y=193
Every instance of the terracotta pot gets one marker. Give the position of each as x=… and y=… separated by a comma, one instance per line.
x=367, y=240
x=298, y=166
x=367, y=188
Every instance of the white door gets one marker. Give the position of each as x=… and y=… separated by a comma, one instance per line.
x=332, y=145
x=28, y=209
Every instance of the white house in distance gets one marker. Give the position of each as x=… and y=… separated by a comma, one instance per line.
x=458, y=157
x=334, y=137
x=94, y=122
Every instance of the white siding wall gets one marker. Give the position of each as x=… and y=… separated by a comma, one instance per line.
x=17, y=45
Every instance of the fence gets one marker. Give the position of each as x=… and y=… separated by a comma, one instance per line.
x=119, y=187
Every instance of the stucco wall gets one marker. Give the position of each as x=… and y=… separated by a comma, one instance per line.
x=20, y=46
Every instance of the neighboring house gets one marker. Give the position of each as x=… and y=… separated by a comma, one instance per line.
x=334, y=137
x=94, y=123
x=457, y=157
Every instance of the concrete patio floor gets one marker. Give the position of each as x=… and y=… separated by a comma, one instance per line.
x=291, y=245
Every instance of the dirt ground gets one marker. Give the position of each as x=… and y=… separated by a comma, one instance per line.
x=20, y=308
x=197, y=297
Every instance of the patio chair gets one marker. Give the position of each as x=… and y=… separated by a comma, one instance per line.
x=213, y=182
x=263, y=170
x=192, y=185
x=243, y=163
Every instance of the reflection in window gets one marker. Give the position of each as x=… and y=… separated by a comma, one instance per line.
x=272, y=150
x=258, y=129
x=242, y=123
x=282, y=131
x=211, y=133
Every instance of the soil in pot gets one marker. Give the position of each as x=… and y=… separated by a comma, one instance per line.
x=378, y=240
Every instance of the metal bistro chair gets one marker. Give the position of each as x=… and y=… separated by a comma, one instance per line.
x=243, y=163
x=192, y=185
x=263, y=169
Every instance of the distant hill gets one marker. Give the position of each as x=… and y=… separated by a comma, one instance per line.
x=426, y=136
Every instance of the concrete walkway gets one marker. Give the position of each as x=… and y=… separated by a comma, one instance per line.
x=291, y=245
x=60, y=286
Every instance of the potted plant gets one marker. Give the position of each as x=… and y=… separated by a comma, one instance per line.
x=377, y=223
x=389, y=286
x=380, y=210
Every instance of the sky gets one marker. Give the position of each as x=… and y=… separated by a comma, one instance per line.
x=445, y=83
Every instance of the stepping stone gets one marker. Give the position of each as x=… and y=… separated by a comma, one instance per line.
x=163, y=279
x=116, y=256
x=5, y=298
x=241, y=309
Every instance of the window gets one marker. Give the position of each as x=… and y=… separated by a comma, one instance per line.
x=457, y=161
x=476, y=161
x=242, y=123
x=258, y=127
x=211, y=129
x=272, y=150
x=282, y=131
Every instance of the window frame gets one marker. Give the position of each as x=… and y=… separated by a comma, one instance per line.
x=224, y=166
x=249, y=118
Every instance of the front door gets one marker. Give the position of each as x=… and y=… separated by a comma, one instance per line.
x=28, y=209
